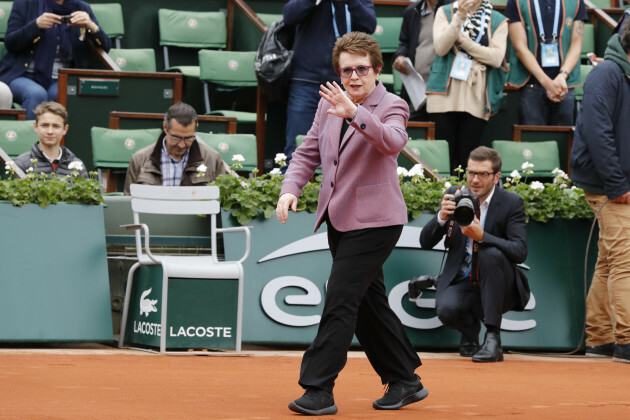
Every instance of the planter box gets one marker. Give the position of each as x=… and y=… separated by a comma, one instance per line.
x=54, y=284
x=286, y=272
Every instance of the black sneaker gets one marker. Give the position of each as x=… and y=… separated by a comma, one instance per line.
x=622, y=353
x=314, y=402
x=401, y=393
x=605, y=350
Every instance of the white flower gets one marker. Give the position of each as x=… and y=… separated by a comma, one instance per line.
x=33, y=160
x=536, y=185
x=515, y=174
x=447, y=185
x=29, y=170
x=417, y=169
x=574, y=188
x=238, y=158
x=563, y=185
x=201, y=170
x=275, y=171
x=558, y=172
x=402, y=171
x=280, y=159
x=527, y=165
x=76, y=165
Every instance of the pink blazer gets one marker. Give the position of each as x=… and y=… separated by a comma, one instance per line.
x=360, y=185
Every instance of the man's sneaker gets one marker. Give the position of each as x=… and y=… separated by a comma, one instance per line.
x=314, y=402
x=605, y=350
x=401, y=393
x=622, y=353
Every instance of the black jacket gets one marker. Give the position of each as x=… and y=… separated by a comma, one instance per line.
x=43, y=165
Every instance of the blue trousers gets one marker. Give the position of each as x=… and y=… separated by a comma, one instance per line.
x=536, y=109
x=29, y=94
x=301, y=109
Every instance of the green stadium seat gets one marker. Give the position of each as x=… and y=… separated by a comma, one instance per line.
x=578, y=92
x=588, y=40
x=386, y=33
x=228, y=71
x=543, y=155
x=112, y=151
x=134, y=59
x=5, y=11
x=110, y=19
x=190, y=29
x=433, y=152
x=269, y=18
x=298, y=142
x=17, y=137
x=229, y=145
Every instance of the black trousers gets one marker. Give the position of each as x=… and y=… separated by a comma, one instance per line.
x=460, y=305
x=356, y=303
x=462, y=131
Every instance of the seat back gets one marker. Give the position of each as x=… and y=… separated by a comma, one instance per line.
x=114, y=148
x=135, y=59
x=229, y=145
x=17, y=137
x=192, y=29
x=387, y=32
x=157, y=199
x=5, y=11
x=110, y=19
x=433, y=152
x=269, y=18
x=543, y=155
x=588, y=40
x=228, y=68
x=578, y=92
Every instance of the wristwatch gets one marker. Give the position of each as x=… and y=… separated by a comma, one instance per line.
x=566, y=73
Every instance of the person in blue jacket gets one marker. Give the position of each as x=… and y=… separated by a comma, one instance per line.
x=42, y=37
x=600, y=164
x=318, y=25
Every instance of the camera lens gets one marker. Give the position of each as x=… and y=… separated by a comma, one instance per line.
x=464, y=213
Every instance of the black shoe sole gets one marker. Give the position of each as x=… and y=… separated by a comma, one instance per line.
x=500, y=359
x=418, y=396
x=321, y=412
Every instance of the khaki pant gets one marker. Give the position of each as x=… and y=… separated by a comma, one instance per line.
x=608, y=300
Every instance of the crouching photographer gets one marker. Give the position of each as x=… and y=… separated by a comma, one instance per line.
x=485, y=233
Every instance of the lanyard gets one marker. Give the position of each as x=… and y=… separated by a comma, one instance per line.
x=482, y=30
x=348, y=27
x=556, y=16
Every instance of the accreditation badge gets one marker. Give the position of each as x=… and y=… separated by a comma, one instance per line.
x=461, y=67
x=549, y=55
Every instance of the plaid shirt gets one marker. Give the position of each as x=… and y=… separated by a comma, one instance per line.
x=172, y=170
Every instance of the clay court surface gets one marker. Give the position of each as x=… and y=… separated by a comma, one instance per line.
x=102, y=382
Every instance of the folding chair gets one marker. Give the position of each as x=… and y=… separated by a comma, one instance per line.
x=151, y=199
x=434, y=152
x=17, y=137
x=190, y=29
x=110, y=19
x=229, y=145
x=543, y=155
x=134, y=59
x=228, y=71
x=112, y=151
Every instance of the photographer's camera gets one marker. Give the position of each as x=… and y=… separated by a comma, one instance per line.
x=66, y=19
x=418, y=284
x=466, y=205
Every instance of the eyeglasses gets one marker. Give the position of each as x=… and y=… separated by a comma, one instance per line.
x=482, y=175
x=177, y=139
x=347, y=71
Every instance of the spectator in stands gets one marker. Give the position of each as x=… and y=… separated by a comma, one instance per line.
x=42, y=37
x=416, y=42
x=178, y=157
x=356, y=136
x=547, y=37
x=466, y=82
x=318, y=24
x=600, y=164
x=480, y=281
x=6, y=97
x=47, y=155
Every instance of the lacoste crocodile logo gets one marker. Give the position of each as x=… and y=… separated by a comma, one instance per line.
x=147, y=305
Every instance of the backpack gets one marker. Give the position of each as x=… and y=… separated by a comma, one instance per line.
x=273, y=61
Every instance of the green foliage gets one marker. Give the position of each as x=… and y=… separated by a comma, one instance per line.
x=44, y=191
x=249, y=198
